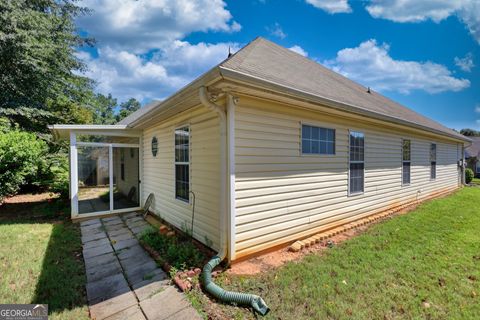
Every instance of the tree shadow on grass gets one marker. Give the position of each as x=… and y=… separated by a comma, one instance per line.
x=61, y=284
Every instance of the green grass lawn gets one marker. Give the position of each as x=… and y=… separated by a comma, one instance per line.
x=422, y=265
x=40, y=259
x=476, y=181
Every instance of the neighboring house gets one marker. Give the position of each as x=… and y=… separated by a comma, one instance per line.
x=472, y=156
x=269, y=147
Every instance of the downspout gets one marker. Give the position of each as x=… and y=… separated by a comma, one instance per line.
x=254, y=301
x=223, y=168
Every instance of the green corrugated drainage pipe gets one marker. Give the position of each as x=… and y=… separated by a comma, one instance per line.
x=256, y=302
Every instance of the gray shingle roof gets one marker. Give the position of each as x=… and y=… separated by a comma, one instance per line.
x=270, y=62
x=474, y=149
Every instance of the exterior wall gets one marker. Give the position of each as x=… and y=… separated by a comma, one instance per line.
x=282, y=195
x=159, y=173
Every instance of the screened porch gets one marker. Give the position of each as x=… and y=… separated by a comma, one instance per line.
x=105, y=168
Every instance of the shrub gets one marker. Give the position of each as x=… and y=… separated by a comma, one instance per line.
x=20, y=155
x=179, y=252
x=60, y=177
x=468, y=175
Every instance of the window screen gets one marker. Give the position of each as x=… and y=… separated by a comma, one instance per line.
x=406, y=161
x=182, y=163
x=357, y=162
x=316, y=140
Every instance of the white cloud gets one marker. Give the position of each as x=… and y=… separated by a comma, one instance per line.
x=125, y=74
x=465, y=63
x=139, y=49
x=277, y=31
x=299, y=50
x=331, y=6
x=148, y=24
x=467, y=11
x=477, y=108
x=371, y=65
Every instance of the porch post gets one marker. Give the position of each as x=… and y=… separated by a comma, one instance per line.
x=73, y=174
x=110, y=175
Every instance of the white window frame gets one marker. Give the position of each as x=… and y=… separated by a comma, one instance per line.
x=175, y=163
x=322, y=127
x=73, y=154
x=407, y=161
x=431, y=162
x=350, y=162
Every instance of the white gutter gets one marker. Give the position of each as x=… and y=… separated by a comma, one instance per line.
x=202, y=92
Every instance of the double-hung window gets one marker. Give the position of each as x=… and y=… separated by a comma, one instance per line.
x=406, y=161
x=433, y=161
x=316, y=140
x=182, y=163
x=357, y=163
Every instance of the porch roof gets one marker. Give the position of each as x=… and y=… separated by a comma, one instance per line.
x=62, y=131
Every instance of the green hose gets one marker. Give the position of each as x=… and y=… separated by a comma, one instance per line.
x=256, y=302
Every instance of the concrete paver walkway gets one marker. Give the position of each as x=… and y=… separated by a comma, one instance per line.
x=123, y=281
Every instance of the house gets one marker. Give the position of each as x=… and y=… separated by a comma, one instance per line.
x=472, y=156
x=266, y=148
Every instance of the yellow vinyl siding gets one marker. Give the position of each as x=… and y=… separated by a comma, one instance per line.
x=282, y=195
x=159, y=173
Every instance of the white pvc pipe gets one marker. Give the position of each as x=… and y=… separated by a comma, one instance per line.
x=222, y=253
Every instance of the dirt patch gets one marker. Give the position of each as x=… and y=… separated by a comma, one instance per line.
x=29, y=198
x=32, y=206
x=277, y=258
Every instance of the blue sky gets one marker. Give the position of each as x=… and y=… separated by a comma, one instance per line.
x=423, y=54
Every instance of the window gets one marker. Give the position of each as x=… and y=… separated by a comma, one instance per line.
x=357, y=162
x=182, y=163
x=154, y=146
x=317, y=140
x=477, y=166
x=433, y=161
x=406, y=159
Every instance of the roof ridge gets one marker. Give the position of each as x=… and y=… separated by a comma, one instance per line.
x=243, y=53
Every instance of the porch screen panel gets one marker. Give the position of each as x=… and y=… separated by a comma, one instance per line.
x=125, y=177
x=93, y=179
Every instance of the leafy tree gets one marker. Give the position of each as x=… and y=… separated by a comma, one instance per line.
x=128, y=107
x=470, y=132
x=20, y=156
x=104, y=109
x=39, y=78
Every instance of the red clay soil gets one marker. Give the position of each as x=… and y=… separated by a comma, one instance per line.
x=277, y=258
